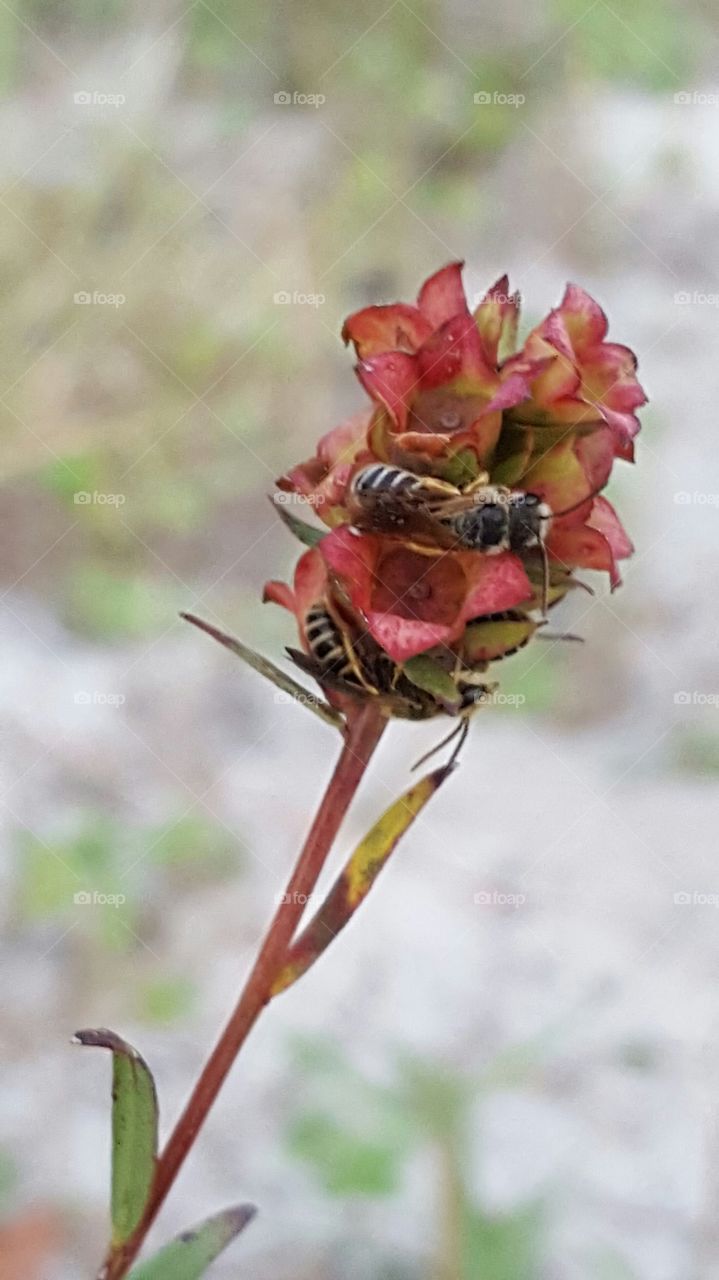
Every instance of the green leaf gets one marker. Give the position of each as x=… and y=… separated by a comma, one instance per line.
x=427, y=674
x=134, y=1130
x=272, y=673
x=307, y=533
x=190, y=1254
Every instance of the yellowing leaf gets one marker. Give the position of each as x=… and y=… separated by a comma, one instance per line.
x=357, y=878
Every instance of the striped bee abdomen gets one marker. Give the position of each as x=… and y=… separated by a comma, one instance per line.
x=325, y=643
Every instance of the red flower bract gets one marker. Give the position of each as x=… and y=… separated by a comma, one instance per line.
x=412, y=602
x=434, y=368
x=585, y=379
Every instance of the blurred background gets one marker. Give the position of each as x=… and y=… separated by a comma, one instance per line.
x=507, y=1068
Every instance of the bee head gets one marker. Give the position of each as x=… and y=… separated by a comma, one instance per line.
x=485, y=528
x=528, y=519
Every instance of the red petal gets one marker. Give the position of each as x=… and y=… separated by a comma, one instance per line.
x=605, y=519
x=352, y=557
x=279, y=593
x=595, y=546
x=442, y=296
x=455, y=352
x=404, y=638
x=584, y=320
x=375, y=330
x=309, y=586
x=390, y=379
x=494, y=583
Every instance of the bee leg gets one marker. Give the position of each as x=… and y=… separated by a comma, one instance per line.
x=349, y=651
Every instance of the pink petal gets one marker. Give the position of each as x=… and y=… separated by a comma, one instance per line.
x=442, y=296
x=584, y=320
x=390, y=379
x=495, y=583
x=404, y=638
x=352, y=557
x=605, y=519
x=585, y=548
x=455, y=352
x=279, y=593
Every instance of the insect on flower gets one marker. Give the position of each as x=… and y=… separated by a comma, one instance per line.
x=481, y=517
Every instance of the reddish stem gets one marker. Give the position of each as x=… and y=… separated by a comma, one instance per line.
x=363, y=732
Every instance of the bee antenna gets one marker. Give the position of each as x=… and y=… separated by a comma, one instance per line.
x=545, y=578
x=561, y=635
x=462, y=728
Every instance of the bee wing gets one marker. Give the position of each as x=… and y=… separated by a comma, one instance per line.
x=481, y=496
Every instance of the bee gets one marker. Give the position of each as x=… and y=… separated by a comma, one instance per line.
x=354, y=664
x=482, y=517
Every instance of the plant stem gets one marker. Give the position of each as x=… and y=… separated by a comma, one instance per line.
x=362, y=734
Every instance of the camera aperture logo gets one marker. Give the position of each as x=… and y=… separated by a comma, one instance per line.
x=695, y=898
x=94, y=898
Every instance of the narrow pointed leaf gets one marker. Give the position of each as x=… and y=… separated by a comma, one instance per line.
x=307, y=533
x=272, y=673
x=357, y=878
x=134, y=1130
x=190, y=1254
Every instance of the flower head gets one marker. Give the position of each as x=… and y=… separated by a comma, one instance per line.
x=412, y=615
